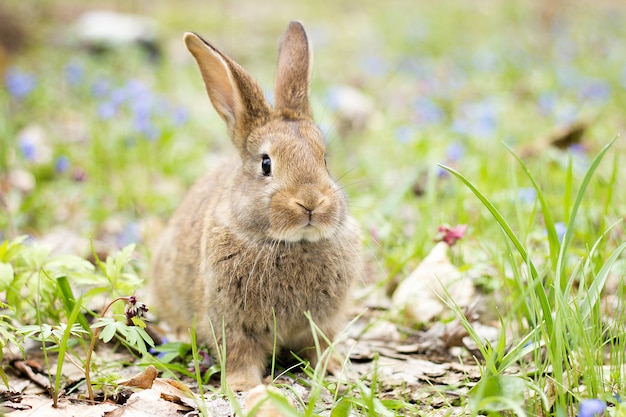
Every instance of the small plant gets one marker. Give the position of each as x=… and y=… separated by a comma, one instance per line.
x=563, y=322
x=132, y=329
x=41, y=304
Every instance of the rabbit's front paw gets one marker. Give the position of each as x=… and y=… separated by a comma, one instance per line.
x=242, y=380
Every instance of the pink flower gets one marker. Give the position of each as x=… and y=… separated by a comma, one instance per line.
x=450, y=234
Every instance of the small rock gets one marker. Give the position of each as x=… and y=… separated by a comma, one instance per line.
x=101, y=30
x=418, y=297
x=258, y=396
x=353, y=108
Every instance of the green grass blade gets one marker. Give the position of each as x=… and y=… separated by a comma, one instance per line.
x=567, y=238
x=70, y=302
x=545, y=306
x=553, y=239
x=593, y=294
x=64, y=344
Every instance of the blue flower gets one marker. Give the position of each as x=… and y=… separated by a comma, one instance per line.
x=547, y=102
x=180, y=115
x=374, y=65
x=405, y=133
x=560, y=229
x=427, y=111
x=478, y=119
x=131, y=233
x=527, y=195
x=100, y=87
x=455, y=151
x=596, y=90
x=74, y=73
x=591, y=408
x=62, y=164
x=144, y=125
x=107, y=110
x=28, y=147
x=18, y=83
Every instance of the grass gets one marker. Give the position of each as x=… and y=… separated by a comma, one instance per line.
x=102, y=149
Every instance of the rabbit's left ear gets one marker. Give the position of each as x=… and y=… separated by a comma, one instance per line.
x=236, y=96
x=293, y=75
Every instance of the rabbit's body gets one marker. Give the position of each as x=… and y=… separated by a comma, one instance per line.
x=257, y=243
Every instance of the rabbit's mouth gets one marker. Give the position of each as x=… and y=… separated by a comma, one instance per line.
x=308, y=233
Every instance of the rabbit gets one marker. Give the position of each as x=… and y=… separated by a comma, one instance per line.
x=263, y=239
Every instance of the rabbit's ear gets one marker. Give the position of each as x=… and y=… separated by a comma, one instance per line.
x=293, y=75
x=235, y=95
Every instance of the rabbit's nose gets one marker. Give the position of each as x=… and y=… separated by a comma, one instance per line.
x=307, y=210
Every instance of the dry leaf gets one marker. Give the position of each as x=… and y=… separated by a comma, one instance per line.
x=41, y=406
x=147, y=403
x=418, y=297
x=143, y=380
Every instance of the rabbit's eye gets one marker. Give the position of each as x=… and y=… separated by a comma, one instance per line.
x=266, y=165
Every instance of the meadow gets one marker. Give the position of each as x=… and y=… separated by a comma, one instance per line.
x=505, y=116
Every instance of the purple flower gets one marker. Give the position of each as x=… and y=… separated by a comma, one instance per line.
x=107, y=110
x=74, y=73
x=204, y=364
x=547, y=102
x=527, y=195
x=455, y=151
x=560, y=229
x=134, y=308
x=566, y=114
x=374, y=65
x=100, y=87
x=62, y=164
x=478, y=119
x=596, y=90
x=144, y=125
x=427, y=111
x=180, y=115
x=18, y=83
x=591, y=408
x=131, y=233
x=28, y=147
x=404, y=133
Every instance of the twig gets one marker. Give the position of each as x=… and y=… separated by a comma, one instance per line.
x=92, y=345
x=27, y=371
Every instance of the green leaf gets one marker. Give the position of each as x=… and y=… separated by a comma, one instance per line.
x=69, y=301
x=593, y=294
x=342, y=409
x=282, y=404
x=6, y=275
x=553, y=240
x=145, y=336
x=567, y=238
x=108, y=332
x=504, y=225
x=497, y=393
x=138, y=322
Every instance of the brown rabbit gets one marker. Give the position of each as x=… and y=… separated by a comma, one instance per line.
x=261, y=240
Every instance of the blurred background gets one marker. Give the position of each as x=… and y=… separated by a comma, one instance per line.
x=104, y=122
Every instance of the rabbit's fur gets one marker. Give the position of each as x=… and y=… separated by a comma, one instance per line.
x=254, y=250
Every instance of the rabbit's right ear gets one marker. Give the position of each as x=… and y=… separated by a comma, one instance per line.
x=236, y=96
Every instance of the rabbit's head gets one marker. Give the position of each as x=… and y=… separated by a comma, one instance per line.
x=282, y=189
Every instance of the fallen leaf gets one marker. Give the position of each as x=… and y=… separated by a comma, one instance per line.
x=147, y=403
x=143, y=380
x=562, y=138
x=40, y=406
x=418, y=297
